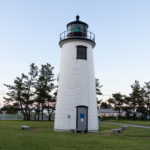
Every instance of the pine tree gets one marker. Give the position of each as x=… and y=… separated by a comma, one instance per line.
x=44, y=87
x=98, y=91
x=117, y=100
x=147, y=97
x=137, y=99
x=14, y=96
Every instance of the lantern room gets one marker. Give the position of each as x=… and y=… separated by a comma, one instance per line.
x=77, y=30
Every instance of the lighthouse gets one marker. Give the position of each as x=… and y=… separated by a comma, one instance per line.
x=76, y=107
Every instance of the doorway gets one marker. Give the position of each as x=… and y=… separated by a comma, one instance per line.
x=82, y=119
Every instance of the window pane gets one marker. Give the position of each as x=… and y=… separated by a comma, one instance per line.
x=77, y=27
x=81, y=52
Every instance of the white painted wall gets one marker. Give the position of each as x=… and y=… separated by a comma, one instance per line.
x=76, y=87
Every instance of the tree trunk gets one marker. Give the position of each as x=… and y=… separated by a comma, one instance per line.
x=24, y=115
x=49, y=117
x=35, y=115
x=38, y=113
x=42, y=112
x=29, y=114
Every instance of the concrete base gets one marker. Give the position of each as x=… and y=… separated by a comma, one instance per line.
x=73, y=130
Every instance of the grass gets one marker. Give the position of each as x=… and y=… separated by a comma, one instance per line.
x=42, y=137
x=136, y=122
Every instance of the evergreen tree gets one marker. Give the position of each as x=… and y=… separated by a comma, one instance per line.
x=33, y=91
x=147, y=97
x=29, y=88
x=117, y=100
x=14, y=96
x=126, y=107
x=98, y=91
x=137, y=99
x=44, y=87
x=105, y=105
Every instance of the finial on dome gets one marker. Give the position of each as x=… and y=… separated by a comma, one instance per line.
x=77, y=18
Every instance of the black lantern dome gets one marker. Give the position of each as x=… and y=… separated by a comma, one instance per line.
x=77, y=30
x=77, y=26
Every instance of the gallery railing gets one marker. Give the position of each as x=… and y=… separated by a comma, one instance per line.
x=77, y=34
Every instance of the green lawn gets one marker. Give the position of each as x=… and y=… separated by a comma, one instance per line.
x=137, y=122
x=42, y=137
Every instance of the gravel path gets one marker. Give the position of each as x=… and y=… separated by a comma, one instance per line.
x=125, y=124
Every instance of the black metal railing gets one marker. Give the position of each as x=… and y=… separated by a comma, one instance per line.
x=79, y=34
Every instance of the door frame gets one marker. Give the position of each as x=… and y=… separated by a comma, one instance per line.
x=86, y=107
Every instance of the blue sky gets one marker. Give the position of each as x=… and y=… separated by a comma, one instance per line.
x=29, y=32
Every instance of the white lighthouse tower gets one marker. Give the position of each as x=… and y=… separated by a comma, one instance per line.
x=76, y=108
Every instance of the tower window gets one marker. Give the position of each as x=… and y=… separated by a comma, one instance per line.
x=81, y=52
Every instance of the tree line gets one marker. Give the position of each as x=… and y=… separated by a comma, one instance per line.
x=138, y=101
x=37, y=91
x=33, y=91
